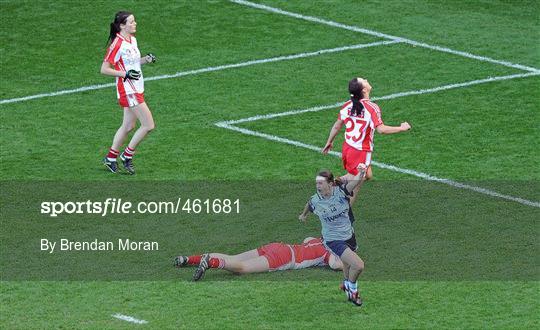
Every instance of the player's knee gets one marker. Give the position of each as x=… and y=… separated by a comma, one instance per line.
x=241, y=269
x=149, y=127
x=358, y=266
x=127, y=128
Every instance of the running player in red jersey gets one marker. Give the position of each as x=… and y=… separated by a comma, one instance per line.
x=361, y=118
x=267, y=258
x=123, y=61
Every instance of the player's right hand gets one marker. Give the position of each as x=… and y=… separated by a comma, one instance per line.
x=302, y=217
x=132, y=74
x=327, y=148
x=405, y=126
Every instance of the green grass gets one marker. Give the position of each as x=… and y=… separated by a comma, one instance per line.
x=272, y=304
x=436, y=256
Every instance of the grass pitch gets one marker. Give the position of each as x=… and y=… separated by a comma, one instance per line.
x=436, y=256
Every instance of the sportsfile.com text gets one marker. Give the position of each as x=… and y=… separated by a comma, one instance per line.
x=119, y=206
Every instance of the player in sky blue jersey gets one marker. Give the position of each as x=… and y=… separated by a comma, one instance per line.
x=331, y=204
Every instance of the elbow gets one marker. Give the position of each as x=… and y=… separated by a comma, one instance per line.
x=105, y=68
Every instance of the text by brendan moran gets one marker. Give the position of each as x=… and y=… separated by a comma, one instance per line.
x=126, y=244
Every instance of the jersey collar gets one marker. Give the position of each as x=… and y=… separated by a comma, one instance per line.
x=126, y=40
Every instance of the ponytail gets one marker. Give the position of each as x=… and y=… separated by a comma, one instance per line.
x=112, y=34
x=119, y=18
x=355, y=89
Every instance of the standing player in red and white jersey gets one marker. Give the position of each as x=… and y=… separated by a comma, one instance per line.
x=361, y=118
x=267, y=258
x=123, y=61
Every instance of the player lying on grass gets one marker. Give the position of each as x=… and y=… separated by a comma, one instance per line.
x=267, y=258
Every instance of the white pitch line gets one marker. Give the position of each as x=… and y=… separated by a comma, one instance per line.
x=386, y=97
x=383, y=165
x=209, y=69
x=383, y=35
x=129, y=319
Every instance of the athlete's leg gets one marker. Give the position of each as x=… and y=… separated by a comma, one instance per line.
x=255, y=265
x=128, y=124
x=143, y=114
x=346, y=269
x=354, y=263
x=193, y=260
x=251, y=254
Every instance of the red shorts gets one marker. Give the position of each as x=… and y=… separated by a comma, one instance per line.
x=279, y=255
x=131, y=100
x=352, y=157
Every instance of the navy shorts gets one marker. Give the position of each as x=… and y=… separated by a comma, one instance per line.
x=338, y=247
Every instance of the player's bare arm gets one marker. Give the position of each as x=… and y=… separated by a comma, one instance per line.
x=333, y=133
x=384, y=129
x=303, y=216
x=148, y=58
x=108, y=70
x=356, y=181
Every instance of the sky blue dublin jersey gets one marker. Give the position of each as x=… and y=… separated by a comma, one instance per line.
x=335, y=214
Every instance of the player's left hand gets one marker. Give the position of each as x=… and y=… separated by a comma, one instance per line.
x=302, y=217
x=327, y=148
x=150, y=58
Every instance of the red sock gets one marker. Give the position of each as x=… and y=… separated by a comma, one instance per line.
x=128, y=152
x=112, y=154
x=216, y=263
x=194, y=260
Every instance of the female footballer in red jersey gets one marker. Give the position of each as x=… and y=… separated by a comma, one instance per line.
x=361, y=118
x=123, y=61
x=269, y=257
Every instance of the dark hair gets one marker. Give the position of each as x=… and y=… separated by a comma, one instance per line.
x=329, y=177
x=355, y=89
x=119, y=18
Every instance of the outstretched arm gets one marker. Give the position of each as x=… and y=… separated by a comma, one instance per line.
x=333, y=133
x=383, y=129
x=357, y=179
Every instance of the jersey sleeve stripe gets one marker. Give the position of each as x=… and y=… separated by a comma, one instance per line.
x=113, y=51
x=374, y=111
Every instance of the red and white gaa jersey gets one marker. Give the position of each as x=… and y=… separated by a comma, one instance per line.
x=359, y=129
x=125, y=56
x=309, y=254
